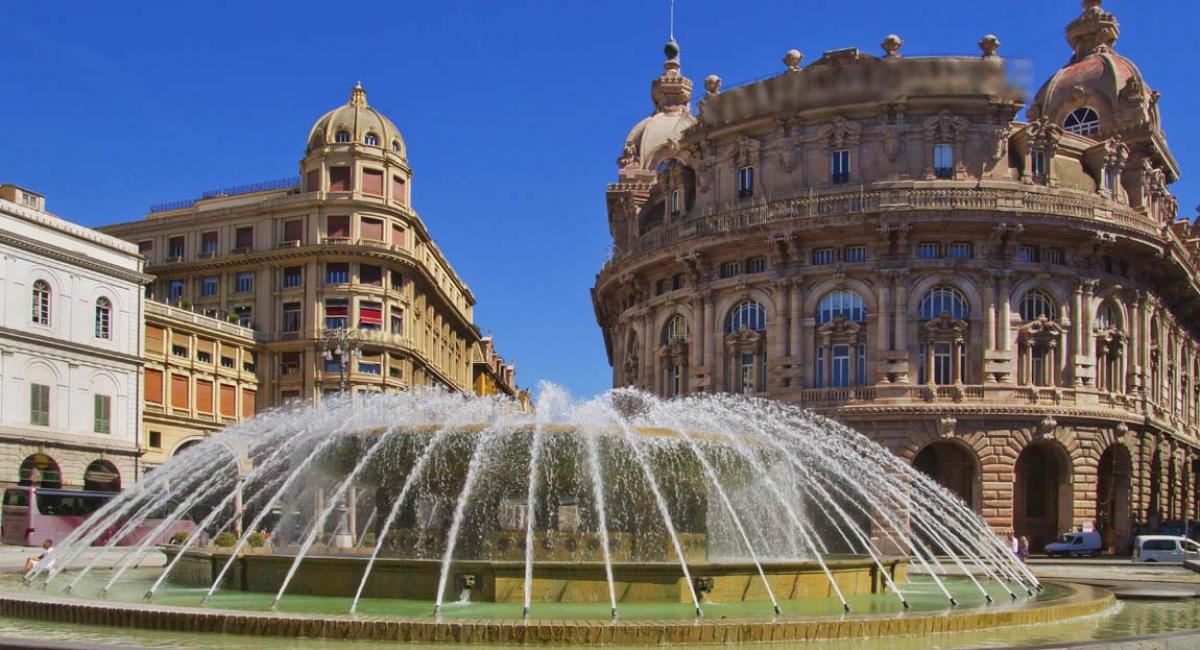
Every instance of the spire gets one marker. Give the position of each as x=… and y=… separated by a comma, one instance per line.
x=358, y=95
x=671, y=92
x=1093, y=32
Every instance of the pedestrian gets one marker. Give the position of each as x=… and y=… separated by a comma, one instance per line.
x=1015, y=543
x=43, y=560
x=1023, y=549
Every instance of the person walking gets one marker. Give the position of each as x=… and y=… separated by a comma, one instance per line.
x=1023, y=549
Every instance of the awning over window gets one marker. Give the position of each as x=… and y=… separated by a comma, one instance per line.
x=370, y=314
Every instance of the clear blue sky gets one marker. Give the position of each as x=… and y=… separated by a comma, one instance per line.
x=514, y=111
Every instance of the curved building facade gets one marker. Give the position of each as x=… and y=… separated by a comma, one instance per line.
x=1011, y=305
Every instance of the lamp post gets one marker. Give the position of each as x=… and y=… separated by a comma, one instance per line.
x=344, y=344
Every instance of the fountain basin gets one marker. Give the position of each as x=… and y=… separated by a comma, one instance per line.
x=324, y=574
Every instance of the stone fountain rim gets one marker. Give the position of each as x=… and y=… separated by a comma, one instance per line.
x=1083, y=600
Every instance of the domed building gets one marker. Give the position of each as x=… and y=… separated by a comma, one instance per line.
x=1009, y=304
x=336, y=251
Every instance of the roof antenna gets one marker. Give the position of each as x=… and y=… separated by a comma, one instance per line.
x=671, y=23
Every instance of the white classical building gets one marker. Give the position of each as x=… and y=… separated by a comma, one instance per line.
x=70, y=350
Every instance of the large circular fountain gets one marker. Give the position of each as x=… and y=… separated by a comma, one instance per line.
x=434, y=506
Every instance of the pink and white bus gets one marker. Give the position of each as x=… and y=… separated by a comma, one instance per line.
x=32, y=515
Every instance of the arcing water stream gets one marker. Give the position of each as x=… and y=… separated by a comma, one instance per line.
x=624, y=481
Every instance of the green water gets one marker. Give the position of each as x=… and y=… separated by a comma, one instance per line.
x=922, y=593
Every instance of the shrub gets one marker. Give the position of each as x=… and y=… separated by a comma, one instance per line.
x=368, y=539
x=225, y=539
x=256, y=539
x=179, y=538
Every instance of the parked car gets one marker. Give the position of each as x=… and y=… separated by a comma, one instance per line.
x=1076, y=544
x=1164, y=548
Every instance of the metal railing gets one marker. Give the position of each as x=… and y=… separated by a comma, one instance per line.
x=234, y=190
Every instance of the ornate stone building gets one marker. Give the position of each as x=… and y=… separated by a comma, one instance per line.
x=338, y=248
x=200, y=376
x=1012, y=305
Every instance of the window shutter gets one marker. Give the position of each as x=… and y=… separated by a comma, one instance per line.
x=154, y=386
x=248, y=403
x=339, y=179
x=370, y=313
x=180, y=397
x=204, y=396
x=228, y=401
x=371, y=229
x=293, y=230
x=373, y=181
x=338, y=226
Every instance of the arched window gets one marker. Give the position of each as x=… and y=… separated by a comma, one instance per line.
x=102, y=476
x=749, y=315
x=676, y=330
x=39, y=470
x=944, y=300
x=396, y=147
x=841, y=302
x=1110, y=349
x=103, y=318
x=342, y=137
x=371, y=140
x=41, y=303
x=1106, y=317
x=1082, y=121
x=1036, y=304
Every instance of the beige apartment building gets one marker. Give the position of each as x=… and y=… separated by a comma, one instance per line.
x=1011, y=305
x=340, y=248
x=200, y=376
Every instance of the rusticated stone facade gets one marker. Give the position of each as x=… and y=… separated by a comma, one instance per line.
x=1010, y=304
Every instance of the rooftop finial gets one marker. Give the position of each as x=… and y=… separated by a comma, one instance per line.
x=358, y=95
x=671, y=22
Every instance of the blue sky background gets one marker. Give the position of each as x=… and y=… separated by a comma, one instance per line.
x=514, y=112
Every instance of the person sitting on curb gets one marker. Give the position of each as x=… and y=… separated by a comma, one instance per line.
x=43, y=560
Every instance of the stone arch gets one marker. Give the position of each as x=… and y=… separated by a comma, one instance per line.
x=664, y=316
x=731, y=299
x=39, y=470
x=1043, y=497
x=955, y=465
x=102, y=476
x=1061, y=296
x=864, y=289
x=1114, y=497
x=965, y=285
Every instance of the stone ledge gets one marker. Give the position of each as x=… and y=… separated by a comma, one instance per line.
x=1083, y=601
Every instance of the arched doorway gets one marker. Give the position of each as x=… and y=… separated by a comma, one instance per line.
x=102, y=476
x=1113, y=514
x=954, y=467
x=39, y=470
x=187, y=444
x=1042, y=498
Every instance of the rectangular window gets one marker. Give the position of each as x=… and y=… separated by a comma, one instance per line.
x=746, y=374
x=730, y=269
x=756, y=265
x=370, y=315
x=208, y=243
x=1037, y=164
x=204, y=396
x=929, y=250
x=1028, y=254
x=677, y=281
x=293, y=230
x=745, y=180
x=39, y=405
x=248, y=362
x=243, y=238
x=244, y=315
x=819, y=367
x=333, y=365
x=396, y=280
x=245, y=283
x=373, y=181
x=839, y=166
x=102, y=414
x=397, y=321
x=1037, y=366
x=312, y=180
x=337, y=226
x=370, y=367
x=291, y=317
x=337, y=313
x=146, y=247
x=854, y=254
x=289, y=364
x=943, y=373
x=961, y=250
x=823, y=256
x=675, y=202
x=228, y=403
x=397, y=189
x=203, y=357
x=226, y=362
x=175, y=290
x=943, y=160
x=1110, y=181
x=371, y=229
x=154, y=386
x=839, y=376
x=1055, y=256
x=337, y=273
x=209, y=286
x=293, y=277
x=249, y=399
x=660, y=286
x=370, y=274
x=156, y=439
x=397, y=236
x=175, y=247
x=339, y=179
x=179, y=351
x=180, y=392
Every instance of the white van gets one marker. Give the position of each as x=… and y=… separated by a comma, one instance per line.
x=1164, y=548
x=1076, y=544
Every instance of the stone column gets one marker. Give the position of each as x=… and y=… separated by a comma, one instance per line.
x=956, y=362
x=901, y=306
x=649, y=369
x=929, y=370
x=883, y=336
x=712, y=335
x=1005, y=299
x=698, y=333
x=989, y=313
x=1077, y=351
x=777, y=326
x=795, y=347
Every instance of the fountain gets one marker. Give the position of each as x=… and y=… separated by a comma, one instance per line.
x=386, y=505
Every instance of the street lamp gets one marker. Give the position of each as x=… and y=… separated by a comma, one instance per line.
x=344, y=344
